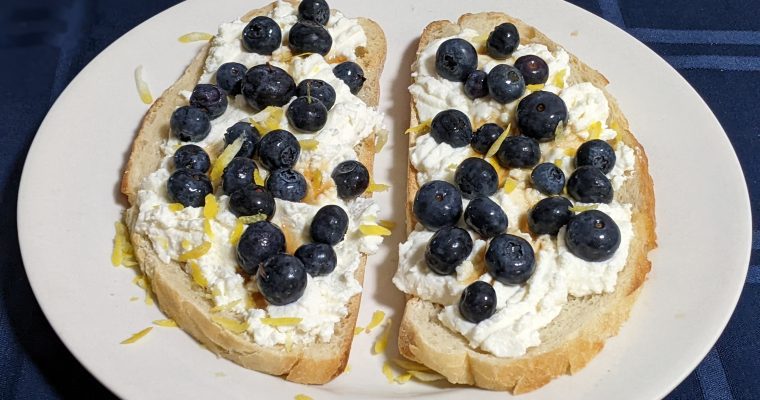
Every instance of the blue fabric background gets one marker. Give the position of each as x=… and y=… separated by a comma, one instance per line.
x=714, y=44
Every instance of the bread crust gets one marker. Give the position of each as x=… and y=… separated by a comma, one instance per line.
x=587, y=322
x=188, y=305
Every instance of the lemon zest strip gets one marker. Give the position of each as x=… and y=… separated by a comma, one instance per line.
x=195, y=37
x=137, y=336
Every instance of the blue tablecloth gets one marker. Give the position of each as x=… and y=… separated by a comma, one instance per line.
x=714, y=44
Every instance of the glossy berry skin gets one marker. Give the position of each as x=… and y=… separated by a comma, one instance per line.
x=539, y=114
x=533, y=69
x=259, y=241
x=549, y=215
x=229, y=77
x=287, y=184
x=238, y=174
x=502, y=41
x=314, y=10
x=250, y=135
x=437, y=204
x=192, y=157
x=279, y=149
x=476, y=85
x=318, y=258
x=451, y=127
x=262, y=36
x=252, y=200
x=309, y=37
x=351, y=74
x=307, y=114
x=505, y=83
x=596, y=153
x=351, y=179
x=548, y=179
x=329, y=225
x=282, y=279
x=317, y=89
x=485, y=217
x=510, y=259
x=188, y=187
x=266, y=85
x=189, y=124
x=478, y=302
x=518, y=152
x=455, y=59
x=476, y=177
x=588, y=184
x=592, y=236
x=485, y=137
x=448, y=247
x=209, y=98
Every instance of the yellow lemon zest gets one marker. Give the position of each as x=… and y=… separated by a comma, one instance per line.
x=387, y=224
x=404, y=378
x=225, y=307
x=166, y=323
x=195, y=37
x=570, y=152
x=388, y=372
x=117, y=255
x=271, y=121
x=227, y=155
x=558, y=163
x=137, y=336
x=211, y=207
x=535, y=87
x=377, y=187
x=381, y=138
x=595, y=130
x=250, y=219
x=358, y=330
x=134, y=298
x=142, y=87
x=382, y=340
x=198, y=278
x=510, y=184
x=230, y=324
x=495, y=146
x=309, y=144
x=559, y=78
x=176, y=207
x=374, y=230
x=377, y=319
x=196, y=252
x=281, y=321
x=426, y=376
x=347, y=369
x=302, y=397
x=237, y=231
x=410, y=365
x=582, y=208
x=186, y=244
x=422, y=127
x=257, y=179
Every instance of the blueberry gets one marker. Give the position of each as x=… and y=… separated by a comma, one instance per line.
x=259, y=241
x=188, y=187
x=318, y=89
x=252, y=200
x=282, y=279
x=485, y=217
x=287, y=184
x=190, y=124
x=192, y=157
x=533, y=69
x=548, y=178
x=478, y=302
x=309, y=37
x=510, y=259
x=437, y=204
x=266, y=85
x=209, y=98
x=307, y=114
x=278, y=149
x=596, y=153
x=485, y=137
x=588, y=184
x=448, y=247
x=229, y=77
x=505, y=83
x=539, y=115
x=318, y=258
x=238, y=174
x=548, y=215
x=476, y=177
x=250, y=134
x=455, y=59
x=329, y=225
x=262, y=35
x=351, y=179
x=476, y=85
x=351, y=74
x=518, y=152
x=592, y=236
x=314, y=10
x=502, y=41
x=451, y=127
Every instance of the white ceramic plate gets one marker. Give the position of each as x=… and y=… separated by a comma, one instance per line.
x=69, y=199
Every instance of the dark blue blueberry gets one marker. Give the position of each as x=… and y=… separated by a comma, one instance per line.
x=476, y=85
x=437, y=204
x=209, y=98
x=539, y=115
x=596, y=153
x=250, y=134
x=279, y=149
x=188, y=187
x=478, y=302
x=287, y=184
x=229, y=77
x=318, y=89
x=282, y=279
x=258, y=242
x=533, y=69
x=252, y=200
x=448, y=247
x=485, y=217
x=510, y=259
x=518, y=152
x=592, y=236
x=266, y=85
x=307, y=114
x=502, y=41
x=476, y=177
x=318, y=258
x=485, y=137
x=262, y=35
x=548, y=215
x=548, y=179
x=351, y=179
x=238, y=174
x=351, y=74
x=309, y=37
x=588, y=184
x=451, y=127
x=192, y=157
x=455, y=59
x=314, y=10
x=329, y=225
x=505, y=83
x=190, y=124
